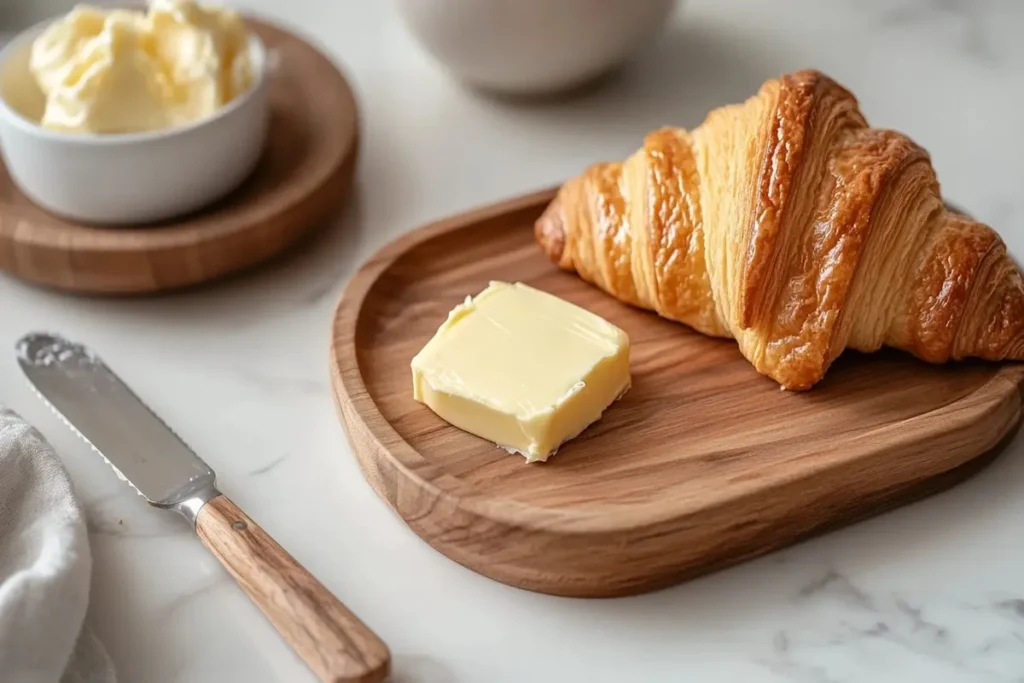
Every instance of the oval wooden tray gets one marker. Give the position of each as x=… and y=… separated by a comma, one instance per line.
x=304, y=173
x=702, y=464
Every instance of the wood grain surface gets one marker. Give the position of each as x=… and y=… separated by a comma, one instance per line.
x=704, y=463
x=304, y=173
x=332, y=641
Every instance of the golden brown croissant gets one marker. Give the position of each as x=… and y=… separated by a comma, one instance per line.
x=790, y=225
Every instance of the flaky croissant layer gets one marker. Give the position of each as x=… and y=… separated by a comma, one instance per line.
x=790, y=225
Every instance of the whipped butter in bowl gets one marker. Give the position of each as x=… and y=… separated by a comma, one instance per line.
x=119, y=116
x=127, y=71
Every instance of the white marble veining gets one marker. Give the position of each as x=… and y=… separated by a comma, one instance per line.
x=932, y=592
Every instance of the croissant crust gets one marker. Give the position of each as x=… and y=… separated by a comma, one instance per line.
x=789, y=224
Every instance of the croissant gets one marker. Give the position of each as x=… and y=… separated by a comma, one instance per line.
x=791, y=226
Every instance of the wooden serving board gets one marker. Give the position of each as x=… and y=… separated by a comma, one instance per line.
x=304, y=173
x=702, y=464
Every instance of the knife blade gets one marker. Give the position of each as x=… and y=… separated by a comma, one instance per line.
x=78, y=385
x=113, y=420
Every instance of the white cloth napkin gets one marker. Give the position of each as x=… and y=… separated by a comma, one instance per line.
x=44, y=567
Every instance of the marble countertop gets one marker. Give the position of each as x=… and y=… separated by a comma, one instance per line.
x=932, y=592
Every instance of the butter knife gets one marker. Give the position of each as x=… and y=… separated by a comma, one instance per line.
x=143, y=451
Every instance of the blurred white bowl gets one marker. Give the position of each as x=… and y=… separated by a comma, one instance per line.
x=130, y=178
x=532, y=46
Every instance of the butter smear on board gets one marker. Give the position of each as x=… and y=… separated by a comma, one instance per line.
x=522, y=368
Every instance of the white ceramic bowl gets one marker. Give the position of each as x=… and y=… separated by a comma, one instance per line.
x=532, y=47
x=131, y=178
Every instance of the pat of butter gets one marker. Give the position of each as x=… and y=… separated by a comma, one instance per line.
x=522, y=368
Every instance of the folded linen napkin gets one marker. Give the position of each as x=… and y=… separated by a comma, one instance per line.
x=45, y=567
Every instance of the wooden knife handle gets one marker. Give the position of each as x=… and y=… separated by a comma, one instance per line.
x=333, y=642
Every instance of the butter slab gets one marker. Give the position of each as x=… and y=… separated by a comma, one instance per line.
x=522, y=368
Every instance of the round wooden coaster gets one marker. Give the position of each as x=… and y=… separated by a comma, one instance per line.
x=306, y=168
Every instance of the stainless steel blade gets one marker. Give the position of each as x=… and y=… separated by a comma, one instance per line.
x=97, y=405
